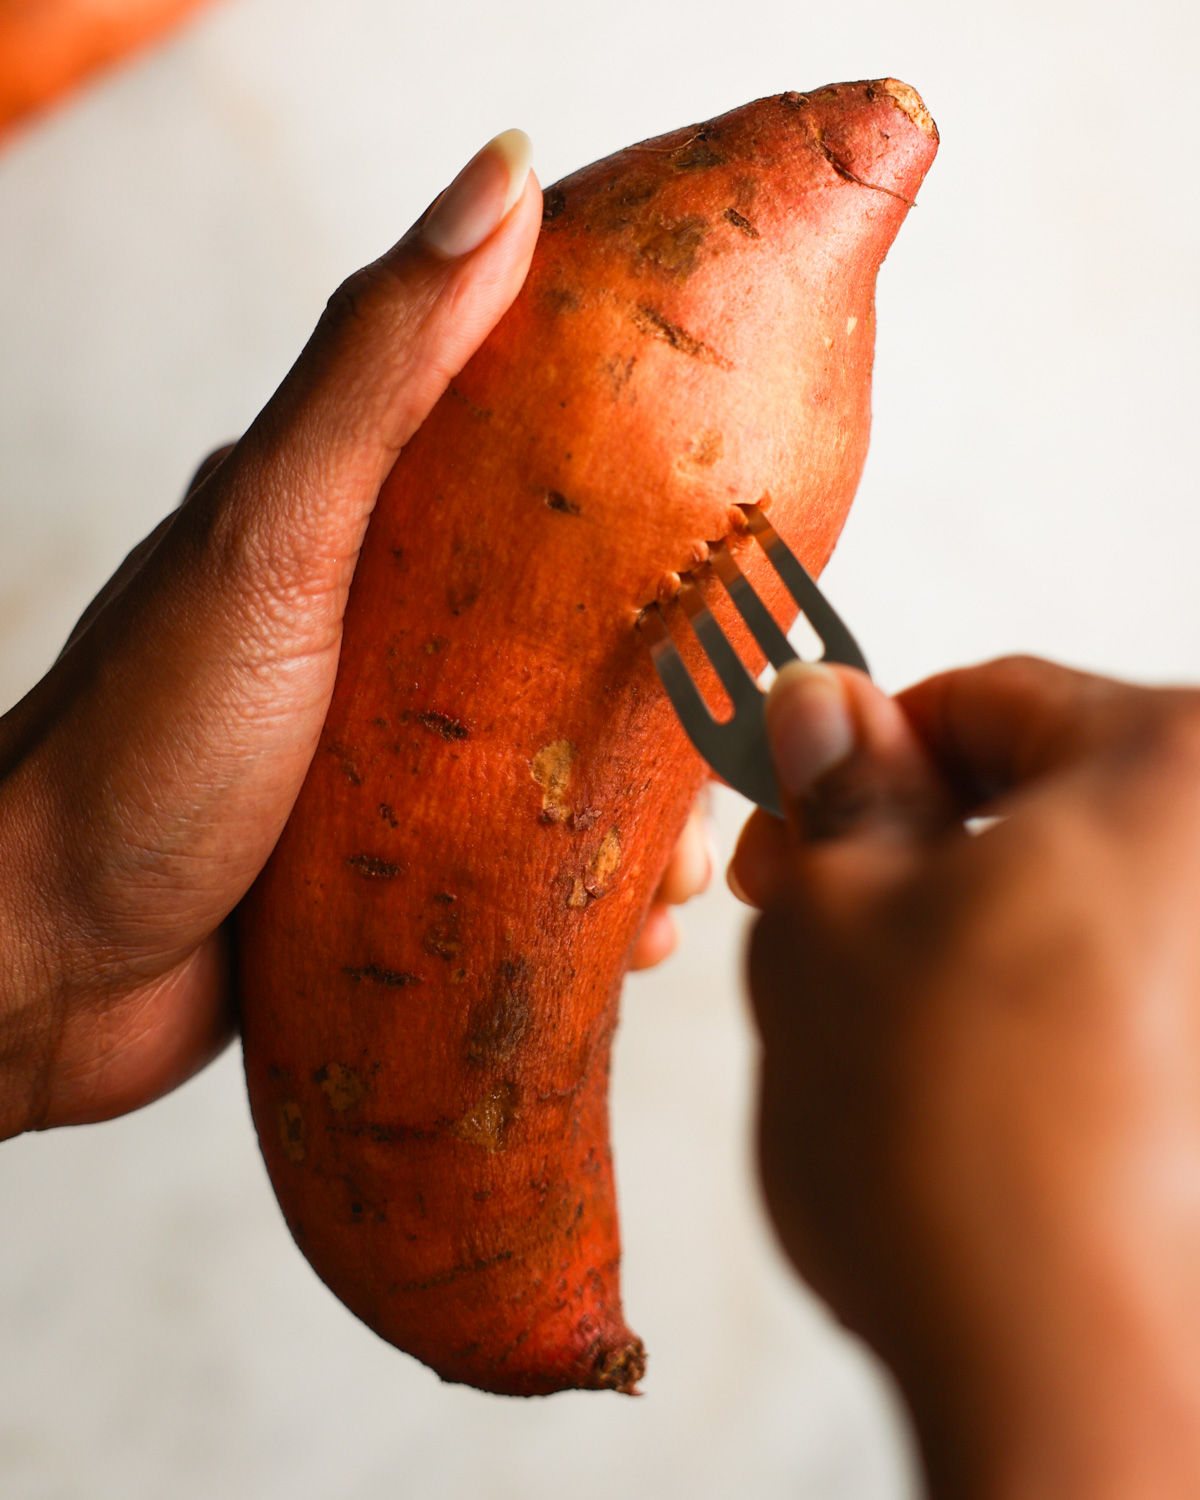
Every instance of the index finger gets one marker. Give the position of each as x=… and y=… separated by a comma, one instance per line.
x=996, y=726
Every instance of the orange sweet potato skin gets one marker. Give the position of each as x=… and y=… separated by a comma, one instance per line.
x=431, y=961
x=47, y=47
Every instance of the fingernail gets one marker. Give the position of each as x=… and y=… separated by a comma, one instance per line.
x=809, y=723
x=474, y=204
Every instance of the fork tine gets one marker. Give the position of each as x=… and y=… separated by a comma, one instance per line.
x=840, y=645
x=737, y=749
x=728, y=665
x=766, y=632
x=681, y=689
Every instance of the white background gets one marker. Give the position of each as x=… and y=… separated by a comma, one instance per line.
x=166, y=242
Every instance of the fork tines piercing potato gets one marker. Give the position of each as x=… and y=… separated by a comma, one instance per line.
x=430, y=963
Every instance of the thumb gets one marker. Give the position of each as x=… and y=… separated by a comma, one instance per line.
x=858, y=788
x=391, y=339
x=201, y=684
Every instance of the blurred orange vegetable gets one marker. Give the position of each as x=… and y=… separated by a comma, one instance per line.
x=49, y=46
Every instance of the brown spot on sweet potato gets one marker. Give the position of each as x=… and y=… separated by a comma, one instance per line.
x=498, y=1023
x=696, y=156
x=291, y=1131
x=604, y=864
x=341, y=1085
x=551, y=768
x=486, y=1122
x=388, y=815
x=560, y=503
x=393, y=978
x=740, y=221
x=443, y=724
x=443, y=941
x=649, y=320
x=371, y=867
x=706, y=448
x=672, y=248
x=554, y=201
x=620, y=371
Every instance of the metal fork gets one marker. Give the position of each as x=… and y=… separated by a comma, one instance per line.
x=737, y=749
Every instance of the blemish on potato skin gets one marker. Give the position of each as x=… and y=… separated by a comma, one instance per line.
x=706, y=448
x=487, y=1121
x=371, y=867
x=443, y=724
x=598, y=877
x=341, y=1085
x=392, y=978
x=739, y=221
x=604, y=864
x=291, y=1132
x=499, y=1022
x=443, y=941
x=560, y=503
x=551, y=769
x=648, y=320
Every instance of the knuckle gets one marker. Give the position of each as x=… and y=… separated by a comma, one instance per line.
x=361, y=296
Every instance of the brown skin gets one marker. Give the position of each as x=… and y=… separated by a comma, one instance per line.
x=431, y=962
x=980, y=1122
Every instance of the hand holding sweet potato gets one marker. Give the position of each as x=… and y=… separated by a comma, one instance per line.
x=145, y=780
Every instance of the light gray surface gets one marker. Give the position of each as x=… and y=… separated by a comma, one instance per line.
x=166, y=242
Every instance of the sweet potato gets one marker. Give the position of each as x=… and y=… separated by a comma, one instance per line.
x=47, y=47
x=431, y=961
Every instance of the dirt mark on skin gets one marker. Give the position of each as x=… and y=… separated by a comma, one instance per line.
x=739, y=221
x=443, y=724
x=604, y=864
x=601, y=869
x=705, y=449
x=499, y=1023
x=291, y=1132
x=672, y=248
x=649, y=320
x=341, y=1085
x=551, y=769
x=486, y=1122
x=560, y=503
x=371, y=867
x=392, y=978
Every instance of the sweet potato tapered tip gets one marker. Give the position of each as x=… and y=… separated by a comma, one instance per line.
x=430, y=964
